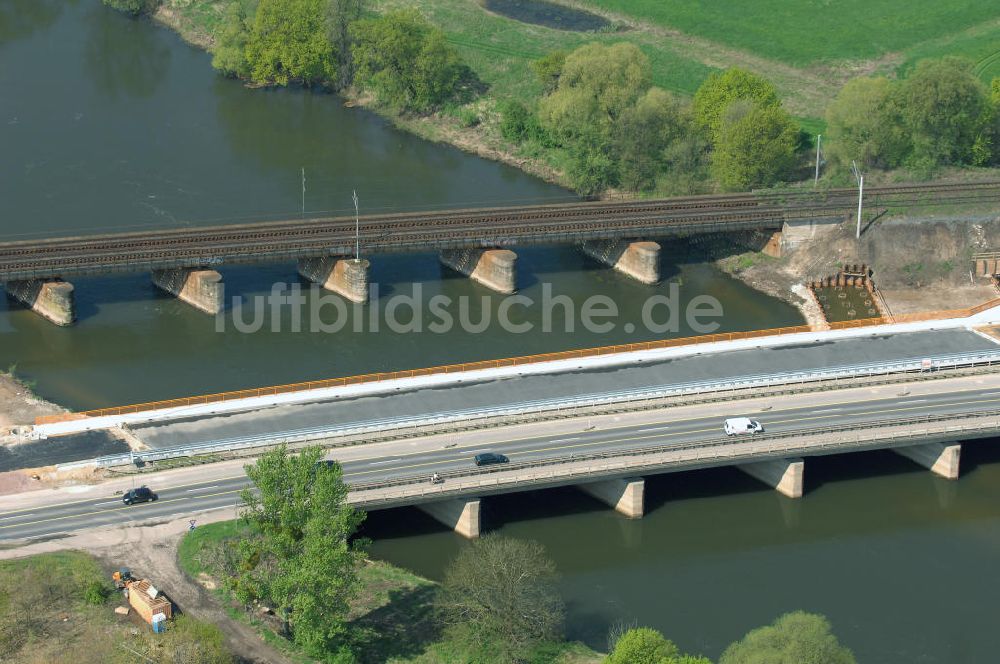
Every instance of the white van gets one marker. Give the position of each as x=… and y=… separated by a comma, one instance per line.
x=739, y=425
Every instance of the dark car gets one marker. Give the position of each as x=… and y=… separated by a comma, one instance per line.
x=140, y=495
x=490, y=458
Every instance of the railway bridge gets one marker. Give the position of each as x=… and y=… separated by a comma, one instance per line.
x=475, y=242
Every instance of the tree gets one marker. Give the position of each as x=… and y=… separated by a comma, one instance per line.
x=340, y=15
x=591, y=168
x=644, y=645
x=720, y=90
x=518, y=124
x=794, y=638
x=133, y=7
x=548, y=69
x=500, y=594
x=865, y=124
x=945, y=109
x=300, y=558
x=289, y=41
x=596, y=85
x=405, y=60
x=642, y=135
x=755, y=147
x=229, y=54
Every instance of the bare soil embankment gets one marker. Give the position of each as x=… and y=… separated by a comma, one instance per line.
x=920, y=263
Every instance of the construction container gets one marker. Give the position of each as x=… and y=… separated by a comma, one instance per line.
x=148, y=602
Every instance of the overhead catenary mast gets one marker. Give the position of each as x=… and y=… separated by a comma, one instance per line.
x=357, y=227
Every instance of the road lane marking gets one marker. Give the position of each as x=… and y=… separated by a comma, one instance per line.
x=944, y=400
x=214, y=486
x=87, y=501
x=661, y=435
x=117, y=509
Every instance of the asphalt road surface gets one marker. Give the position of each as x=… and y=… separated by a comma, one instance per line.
x=54, y=520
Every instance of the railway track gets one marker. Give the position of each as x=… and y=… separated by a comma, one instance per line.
x=452, y=228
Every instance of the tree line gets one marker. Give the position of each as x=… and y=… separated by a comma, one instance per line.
x=620, y=131
x=399, y=57
x=600, y=119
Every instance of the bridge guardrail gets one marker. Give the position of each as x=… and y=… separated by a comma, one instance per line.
x=540, y=407
x=500, y=363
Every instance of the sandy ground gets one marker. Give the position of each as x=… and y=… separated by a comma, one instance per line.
x=19, y=407
x=934, y=297
x=151, y=551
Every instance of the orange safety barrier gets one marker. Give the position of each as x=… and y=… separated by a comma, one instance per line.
x=505, y=362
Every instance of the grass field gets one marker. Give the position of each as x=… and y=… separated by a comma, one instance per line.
x=804, y=32
x=500, y=49
x=54, y=604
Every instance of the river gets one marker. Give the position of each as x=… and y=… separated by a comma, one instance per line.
x=900, y=561
x=108, y=123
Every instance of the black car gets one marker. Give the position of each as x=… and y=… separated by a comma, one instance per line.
x=490, y=458
x=140, y=495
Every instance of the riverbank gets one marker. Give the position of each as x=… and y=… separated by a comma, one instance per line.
x=921, y=261
x=392, y=619
x=195, y=21
x=19, y=405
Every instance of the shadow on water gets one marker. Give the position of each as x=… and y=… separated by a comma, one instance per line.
x=833, y=468
x=122, y=58
x=979, y=454
x=20, y=19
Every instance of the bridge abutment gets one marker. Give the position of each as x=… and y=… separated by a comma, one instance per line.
x=783, y=475
x=639, y=260
x=459, y=514
x=494, y=268
x=52, y=299
x=202, y=289
x=627, y=496
x=347, y=277
x=942, y=459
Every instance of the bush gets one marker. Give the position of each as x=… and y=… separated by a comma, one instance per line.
x=755, y=147
x=289, y=41
x=405, y=61
x=945, y=109
x=133, y=7
x=518, y=124
x=500, y=597
x=95, y=593
x=720, y=90
x=794, y=638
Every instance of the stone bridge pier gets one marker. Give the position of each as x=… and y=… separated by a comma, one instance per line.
x=201, y=288
x=639, y=260
x=347, y=277
x=53, y=299
x=494, y=268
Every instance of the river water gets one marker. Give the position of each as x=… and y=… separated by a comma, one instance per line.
x=112, y=124
x=108, y=124
x=902, y=563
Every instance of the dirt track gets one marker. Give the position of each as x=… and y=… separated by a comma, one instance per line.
x=151, y=551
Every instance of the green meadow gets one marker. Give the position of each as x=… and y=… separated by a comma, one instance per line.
x=806, y=32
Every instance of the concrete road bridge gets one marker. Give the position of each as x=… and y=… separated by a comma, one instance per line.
x=474, y=242
x=605, y=457
x=908, y=388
